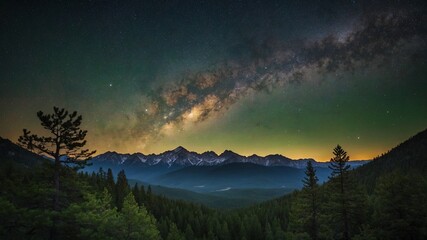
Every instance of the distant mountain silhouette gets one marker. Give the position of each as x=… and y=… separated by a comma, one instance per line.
x=230, y=175
x=180, y=168
x=182, y=157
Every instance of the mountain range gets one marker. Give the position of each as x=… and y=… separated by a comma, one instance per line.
x=229, y=179
x=210, y=172
x=182, y=157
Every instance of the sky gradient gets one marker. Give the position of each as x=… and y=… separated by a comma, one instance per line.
x=258, y=77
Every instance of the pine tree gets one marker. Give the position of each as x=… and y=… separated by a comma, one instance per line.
x=136, y=194
x=100, y=179
x=148, y=196
x=95, y=217
x=255, y=229
x=163, y=227
x=310, y=196
x=399, y=211
x=189, y=234
x=174, y=233
x=135, y=222
x=64, y=144
x=268, y=232
x=142, y=195
x=224, y=231
x=278, y=231
x=149, y=190
x=122, y=189
x=341, y=190
x=110, y=181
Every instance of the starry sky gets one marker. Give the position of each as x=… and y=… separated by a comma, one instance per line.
x=255, y=77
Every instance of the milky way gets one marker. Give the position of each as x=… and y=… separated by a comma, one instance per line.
x=290, y=77
x=272, y=64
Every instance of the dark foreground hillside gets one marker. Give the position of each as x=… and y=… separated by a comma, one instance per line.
x=386, y=201
x=409, y=157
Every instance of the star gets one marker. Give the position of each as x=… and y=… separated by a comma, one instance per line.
x=277, y=78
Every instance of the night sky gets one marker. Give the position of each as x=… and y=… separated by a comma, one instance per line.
x=255, y=77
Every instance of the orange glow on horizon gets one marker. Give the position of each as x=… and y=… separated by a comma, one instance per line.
x=320, y=156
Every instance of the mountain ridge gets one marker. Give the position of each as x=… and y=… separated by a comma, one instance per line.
x=183, y=157
x=9, y=151
x=409, y=157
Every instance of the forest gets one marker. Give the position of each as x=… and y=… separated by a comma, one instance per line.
x=95, y=206
x=213, y=120
x=384, y=199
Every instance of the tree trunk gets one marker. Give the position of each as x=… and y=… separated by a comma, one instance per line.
x=56, y=206
x=314, y=215
x=344, y=209
x=56, y=198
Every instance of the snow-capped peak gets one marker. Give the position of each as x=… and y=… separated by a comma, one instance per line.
x=182, y=157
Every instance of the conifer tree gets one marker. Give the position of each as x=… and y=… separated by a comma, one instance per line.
x=135, y=222
x=174, y=233
x=64, y=143
x=278, y=231
x=339, y=179
x=95, y=217
x=224, y=232
x=399, y=211
x=100, y=179
x=110, y=181
x=122, y=189
x=189, y=234
x=149, y=190
x=142, y=196
x=268, y=232
x=148, y=196
x=310, y=195
x=136, y=194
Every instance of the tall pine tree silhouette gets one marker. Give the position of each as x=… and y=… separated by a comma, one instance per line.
x=64, y=143
x=339, y=178
x=310, y=195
